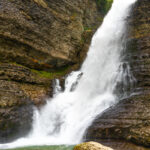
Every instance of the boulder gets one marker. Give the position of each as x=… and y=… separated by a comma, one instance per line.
x=91, y=146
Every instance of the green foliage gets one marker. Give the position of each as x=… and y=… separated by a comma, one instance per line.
x=104, y=5
x=87, y=28
x=108, y=5
x=46, y=148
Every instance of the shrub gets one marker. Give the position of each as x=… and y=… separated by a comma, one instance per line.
x=104, y=5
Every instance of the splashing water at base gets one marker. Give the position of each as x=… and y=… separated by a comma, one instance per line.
x=88, y=92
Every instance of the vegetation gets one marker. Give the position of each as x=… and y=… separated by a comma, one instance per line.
x=52, y=74
x=104, y=5
x=47, y=74
x=87, y=29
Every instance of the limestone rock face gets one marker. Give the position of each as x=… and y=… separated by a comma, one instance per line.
x=20, y=89
x=130, y=118
x=39, y=40
x=44, y=34
x=91, y=146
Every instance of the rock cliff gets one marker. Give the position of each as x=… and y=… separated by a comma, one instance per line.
x=130, y=119
x=39, y=40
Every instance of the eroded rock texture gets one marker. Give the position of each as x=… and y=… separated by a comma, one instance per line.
x=91, y=146
x=39, y=40
x=44, y=34
x=130, y=118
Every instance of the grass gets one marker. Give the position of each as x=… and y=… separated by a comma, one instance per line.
x=62, y=147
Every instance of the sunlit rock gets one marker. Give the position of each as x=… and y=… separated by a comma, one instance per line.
x=91, y=146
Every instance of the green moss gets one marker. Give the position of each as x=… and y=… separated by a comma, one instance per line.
x=87, y=28
x=93, y=28
x=104, y=5
x=52, y=74
x=108, y=5
x=47, y=74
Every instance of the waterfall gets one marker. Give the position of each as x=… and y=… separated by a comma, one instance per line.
x=89, y=91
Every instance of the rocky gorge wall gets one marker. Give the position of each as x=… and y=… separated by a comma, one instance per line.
x=129, y=120
x=40, y=40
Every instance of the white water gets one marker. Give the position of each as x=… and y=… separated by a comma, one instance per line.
x=88, y=92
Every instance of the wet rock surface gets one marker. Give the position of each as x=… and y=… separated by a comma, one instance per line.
x=20, y=90
x=130, y=119
x=121, y=145
x=15, y=109
x=40, y=40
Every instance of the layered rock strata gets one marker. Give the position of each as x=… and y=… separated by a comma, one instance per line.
x=130, y=119
x=40, y=40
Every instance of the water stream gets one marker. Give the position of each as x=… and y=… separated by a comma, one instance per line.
x=89, y=91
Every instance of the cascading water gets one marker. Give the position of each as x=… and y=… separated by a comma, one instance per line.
x=88, y=92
